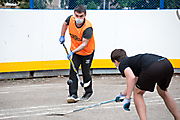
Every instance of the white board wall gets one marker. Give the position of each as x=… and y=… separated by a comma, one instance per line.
x=33, y=35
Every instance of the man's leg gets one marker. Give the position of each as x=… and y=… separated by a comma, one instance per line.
x=86, y=64
x=73, y=88
x=162, y=85
x=139, y=103
x=170, y=102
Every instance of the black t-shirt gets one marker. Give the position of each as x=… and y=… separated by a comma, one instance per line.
x=138, y=63
x=87, y=33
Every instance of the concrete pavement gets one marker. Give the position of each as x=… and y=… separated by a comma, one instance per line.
x=35, y=99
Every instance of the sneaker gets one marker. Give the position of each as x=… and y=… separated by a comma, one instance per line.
x=86, y=96
x=72, y=99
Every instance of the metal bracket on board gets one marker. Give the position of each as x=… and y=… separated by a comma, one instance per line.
x=178, y=15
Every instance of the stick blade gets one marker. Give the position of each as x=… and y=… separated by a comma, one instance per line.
x=56, y=114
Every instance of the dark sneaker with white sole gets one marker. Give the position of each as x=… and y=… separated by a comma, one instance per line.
x=86, y=96
x=73, y=99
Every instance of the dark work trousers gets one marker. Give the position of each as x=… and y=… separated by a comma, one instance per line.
x=85, y=62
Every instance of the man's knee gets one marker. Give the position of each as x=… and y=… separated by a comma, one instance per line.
x=138, y=91
x=160, y=91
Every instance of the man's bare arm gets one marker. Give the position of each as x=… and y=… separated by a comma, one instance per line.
x=82, y=46
x=64, y=28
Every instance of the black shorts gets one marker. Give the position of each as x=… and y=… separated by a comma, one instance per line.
x=159, y=72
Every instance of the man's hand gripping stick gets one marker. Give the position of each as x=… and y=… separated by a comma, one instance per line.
x=73, y=66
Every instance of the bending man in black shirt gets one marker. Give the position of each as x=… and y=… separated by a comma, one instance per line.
x=142, y=72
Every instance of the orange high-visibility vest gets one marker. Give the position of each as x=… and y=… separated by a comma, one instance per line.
x=77, y=36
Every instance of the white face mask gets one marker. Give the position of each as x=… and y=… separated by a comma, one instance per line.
x=116, y=66
x=78, y=21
